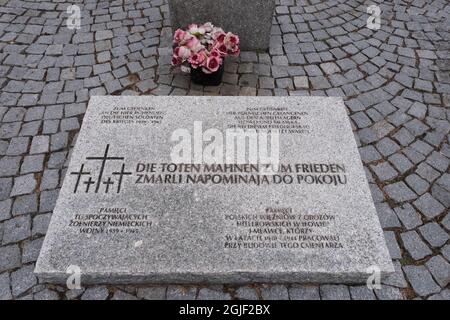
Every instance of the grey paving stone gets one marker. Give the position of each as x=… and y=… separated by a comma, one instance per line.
x=246, y=293
x=418, y=110
x=23, y=185
x=74, y=293
x=5, y=287
x=403, y=137
x=9, y=166
x=30, y=128
x=48, y=200
x=275, y=292
x=266, y=83
x=121, y=295
x=400, y=162
x=445, y=250
x=408, y=216
x=14, y=114
x=428, y=206
x=18, y=146
x=329, y=67
x=69, y=124
x=181, y=293
x=434, y=234
x=53, y=112
x=57, y=160
x=25, y=204
x=388, y=293
x=16, y=229
x=50, y=126
x=369, y=154
x=362, y=293
x=32, y=163
x=438, y=161
x=152, y=293
x=209, y=294
x=414, y=245
x=74, y=109
x=399, y=192
x=444, y=295
x=419, y=185
x=440, y=269
x=50, y=180
x=31, y=250
x=397, y=279
x=95, y=293
x=5, y=209
x=39, y=144
x=384, y=171
x=5, y=187
x=427, y=172
x=421, y=280
x=391, y=242
x=387, y=217
x=40, y=224
x=304, y=292
x=22, y=280
x=387, y=146
x=361, y=120
x=10, y=257
x=444, y=181
x=58, y=141
x=301, y=82
x=46, y=294
x=334, y=292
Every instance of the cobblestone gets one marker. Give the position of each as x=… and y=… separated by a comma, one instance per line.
x=95, y=293
x=276, y=292
x=10, y=257
x=428, y=206
x=434, y=234
x=334, y=292
x=421, y=280
x=16, y=229
x=414, y=245
x=22, y=280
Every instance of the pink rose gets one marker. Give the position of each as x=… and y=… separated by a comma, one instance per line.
x=221, y=49
x=234, y=52
x=233, y=39
x=182, y=52
x=208, y=26
x=215, y=53
x=197, y=59
x=176, y=60
x=220, y=37
x=179, y=35
x=212, y=64
x=194, y=45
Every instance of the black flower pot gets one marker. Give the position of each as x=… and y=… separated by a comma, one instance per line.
x=205, y=79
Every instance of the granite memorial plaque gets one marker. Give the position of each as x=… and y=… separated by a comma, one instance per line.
x=214, y=190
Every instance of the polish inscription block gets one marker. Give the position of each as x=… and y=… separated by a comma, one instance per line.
x=214, y=190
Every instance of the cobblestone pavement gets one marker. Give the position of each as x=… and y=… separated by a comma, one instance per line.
x=395, y=82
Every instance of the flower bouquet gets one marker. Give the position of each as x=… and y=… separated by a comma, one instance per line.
x=203, y=48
